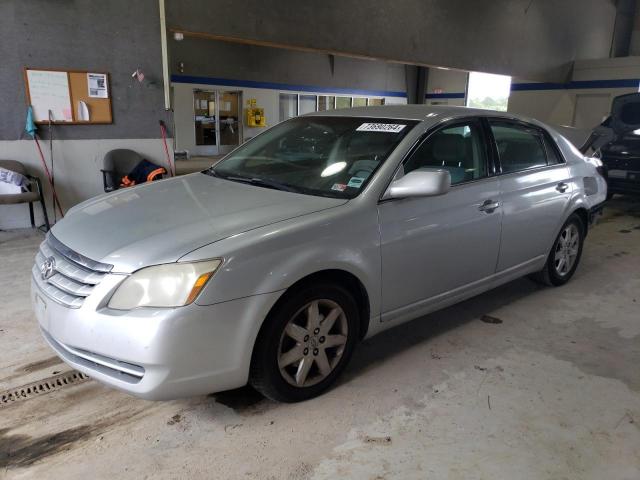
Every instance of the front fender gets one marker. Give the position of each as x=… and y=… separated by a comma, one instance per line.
x=272, y=258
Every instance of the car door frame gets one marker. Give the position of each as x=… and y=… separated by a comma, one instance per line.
x=534, y=263
x=490, y=151
x=449, y=297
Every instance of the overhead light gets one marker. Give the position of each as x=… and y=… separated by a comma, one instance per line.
x=178, y=36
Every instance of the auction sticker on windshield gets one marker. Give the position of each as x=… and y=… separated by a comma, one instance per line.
x=380, y=127
x=355, y=182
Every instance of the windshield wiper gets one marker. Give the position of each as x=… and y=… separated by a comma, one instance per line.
x=260, y=182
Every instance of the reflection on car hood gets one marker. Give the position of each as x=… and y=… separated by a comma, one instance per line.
x=161, y=221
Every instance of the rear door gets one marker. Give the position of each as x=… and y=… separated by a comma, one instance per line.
x=535, y=190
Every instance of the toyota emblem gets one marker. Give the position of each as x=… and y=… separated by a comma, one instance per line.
x=48, y=268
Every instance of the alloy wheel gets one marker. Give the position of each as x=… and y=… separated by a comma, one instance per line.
x=312, y=343
x=567, y=248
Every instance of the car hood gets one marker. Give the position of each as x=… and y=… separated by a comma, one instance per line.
x=160, y=222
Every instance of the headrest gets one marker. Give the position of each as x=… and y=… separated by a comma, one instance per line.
x=448, y=147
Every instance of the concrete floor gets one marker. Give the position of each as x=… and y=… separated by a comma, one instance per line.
x=550, y=392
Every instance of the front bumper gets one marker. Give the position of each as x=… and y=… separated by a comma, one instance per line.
x=156, y=354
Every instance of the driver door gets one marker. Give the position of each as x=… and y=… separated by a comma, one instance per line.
x=435, y=247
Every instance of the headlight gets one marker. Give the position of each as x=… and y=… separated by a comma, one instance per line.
x=170, y=285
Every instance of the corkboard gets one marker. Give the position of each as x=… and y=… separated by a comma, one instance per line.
x=100, y=111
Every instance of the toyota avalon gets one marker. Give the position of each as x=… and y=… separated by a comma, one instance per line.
x=269, y=267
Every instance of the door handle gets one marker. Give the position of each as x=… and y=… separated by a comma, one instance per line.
x=562, y=187
x=489, y=206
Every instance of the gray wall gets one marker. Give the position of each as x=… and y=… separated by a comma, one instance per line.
x=208, y=58
x=530, y=39
x=116, y=36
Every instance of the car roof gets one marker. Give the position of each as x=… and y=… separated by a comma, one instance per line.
x=431, y=113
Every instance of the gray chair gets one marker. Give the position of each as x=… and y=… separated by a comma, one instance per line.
x=31, y=196
x=117, y=164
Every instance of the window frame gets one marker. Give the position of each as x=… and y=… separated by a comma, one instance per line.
x=545, y=138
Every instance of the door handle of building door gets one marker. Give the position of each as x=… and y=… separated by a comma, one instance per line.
x=562, y=187
x=489, y=206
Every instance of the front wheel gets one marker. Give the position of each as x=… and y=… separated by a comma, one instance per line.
x=305, y=343
x=565, y=254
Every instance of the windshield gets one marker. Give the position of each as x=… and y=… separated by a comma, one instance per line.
x=326, y=156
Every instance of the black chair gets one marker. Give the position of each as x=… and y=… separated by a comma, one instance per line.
x=25, y=197
x=117, y=164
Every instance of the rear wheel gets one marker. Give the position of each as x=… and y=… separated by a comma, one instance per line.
x=305, y=343
x=565, y=254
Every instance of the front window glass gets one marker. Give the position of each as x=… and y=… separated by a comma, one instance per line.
x=458, y=149
x=326, y=156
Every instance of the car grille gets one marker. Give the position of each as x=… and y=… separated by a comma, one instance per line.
x=73, y=276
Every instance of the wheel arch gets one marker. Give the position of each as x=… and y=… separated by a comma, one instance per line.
x=583, y=214
x=336, y=276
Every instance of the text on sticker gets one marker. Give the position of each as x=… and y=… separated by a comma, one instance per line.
x=380, y=127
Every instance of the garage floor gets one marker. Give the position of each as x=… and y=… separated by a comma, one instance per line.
x=522, y=382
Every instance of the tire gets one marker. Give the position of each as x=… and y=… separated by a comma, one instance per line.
x=555, y=272
x=296, y=356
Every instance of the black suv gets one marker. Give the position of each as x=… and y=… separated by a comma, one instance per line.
x=617, y=142
x=622, y=161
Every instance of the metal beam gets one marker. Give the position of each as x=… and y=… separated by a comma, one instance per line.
x=536, y=40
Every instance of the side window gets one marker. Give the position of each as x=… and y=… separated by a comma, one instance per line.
x=458, y=149
x=519, y=148
x=553, y=156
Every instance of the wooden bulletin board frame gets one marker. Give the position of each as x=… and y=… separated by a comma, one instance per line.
x=100, y=109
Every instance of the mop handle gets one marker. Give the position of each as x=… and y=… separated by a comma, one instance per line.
x=163, y=130
x=46, y=170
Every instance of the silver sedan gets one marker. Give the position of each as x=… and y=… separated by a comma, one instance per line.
x=271, y=266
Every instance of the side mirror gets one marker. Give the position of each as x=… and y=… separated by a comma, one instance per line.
x=420, y=183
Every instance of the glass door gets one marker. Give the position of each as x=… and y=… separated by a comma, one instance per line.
x=217, y=121
x=229, y=121
x=204, y=117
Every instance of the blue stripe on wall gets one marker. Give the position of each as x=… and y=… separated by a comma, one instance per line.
x=577, y=85
x=444, y=95
x=226, y=82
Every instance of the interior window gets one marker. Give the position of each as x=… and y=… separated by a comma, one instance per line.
x=458, y=149
x=343, y=102
x=306, y=104
x=288, y=106
x=519, y=148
